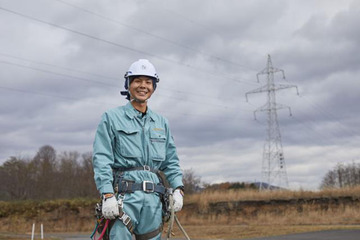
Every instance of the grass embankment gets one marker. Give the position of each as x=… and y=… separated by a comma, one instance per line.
x=245, y=214
x=220, y=214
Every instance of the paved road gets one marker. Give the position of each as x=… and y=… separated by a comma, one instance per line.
x=323, y=235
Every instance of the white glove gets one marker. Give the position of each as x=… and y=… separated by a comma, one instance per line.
x=178, y=200
x=110, y=207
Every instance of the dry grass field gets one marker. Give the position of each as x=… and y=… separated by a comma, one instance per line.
x=243, y=214
x=251, y=231
x=226, y=214
x=253, y=195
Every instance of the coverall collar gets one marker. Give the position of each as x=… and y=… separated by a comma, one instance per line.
x=131, y=112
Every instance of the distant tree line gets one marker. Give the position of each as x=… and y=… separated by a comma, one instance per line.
x=343, y=175
x=48, y=176
x=230, y=185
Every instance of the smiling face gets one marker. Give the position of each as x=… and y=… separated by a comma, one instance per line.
x=141, y=88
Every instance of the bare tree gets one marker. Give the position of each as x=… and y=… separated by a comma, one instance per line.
x=329, y=180
x=15, y=179
x=86, y=176
x=342, y=176
x=68, y=169
x=44, y=166
x=191, y=181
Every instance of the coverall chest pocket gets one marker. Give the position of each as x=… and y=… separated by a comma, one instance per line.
x=157, y=146
x=129, y=143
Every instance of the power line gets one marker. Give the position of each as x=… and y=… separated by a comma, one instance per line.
x=204, y=103
x=87, y=80
x=94, y=102
x=330, y=116
x=119, y=45
x=100, y=82
x=83, y=79
x=190, y=20
x=190, y=93
x=111, y=85
x=151, y=34
x=324, y=138
x=57, y=66
x=58, y=74
x=326, y=113
x=326, y=134
x=90, y=74
x=307, y=127
x=50, y=95
x=83, y=72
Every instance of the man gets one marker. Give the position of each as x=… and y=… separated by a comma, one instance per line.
x=131, y=144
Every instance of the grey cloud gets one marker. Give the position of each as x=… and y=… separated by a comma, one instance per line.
x=203, y=96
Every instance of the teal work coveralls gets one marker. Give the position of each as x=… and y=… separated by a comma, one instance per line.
x=125, y=138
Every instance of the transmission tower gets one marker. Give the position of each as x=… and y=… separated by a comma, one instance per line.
x=273, y=169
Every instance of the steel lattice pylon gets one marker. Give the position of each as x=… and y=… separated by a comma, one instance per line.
x=273, y=169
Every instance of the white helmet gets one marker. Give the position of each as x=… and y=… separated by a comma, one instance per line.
x=141, y=67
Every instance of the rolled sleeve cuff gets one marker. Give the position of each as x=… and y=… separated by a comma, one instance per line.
x=108, y=188
x=177, y=183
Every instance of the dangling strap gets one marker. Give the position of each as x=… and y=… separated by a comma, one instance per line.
x=149, y=235
x=126, y=220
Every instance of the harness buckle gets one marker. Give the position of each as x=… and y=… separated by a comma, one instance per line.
x=125, y=219
x=147, y=168
x=148, y=186
x=121, y=202
x=124, y=187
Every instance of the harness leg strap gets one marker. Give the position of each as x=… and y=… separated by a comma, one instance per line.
x=126, y=220
x=149, y=235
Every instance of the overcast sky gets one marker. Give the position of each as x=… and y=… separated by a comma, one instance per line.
x=62, y=64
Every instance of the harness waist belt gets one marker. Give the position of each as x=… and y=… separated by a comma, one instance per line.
x=146, y=186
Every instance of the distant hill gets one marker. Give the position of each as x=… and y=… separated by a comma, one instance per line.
x=266, y=186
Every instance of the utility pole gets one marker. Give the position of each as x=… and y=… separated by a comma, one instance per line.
x=273, y=169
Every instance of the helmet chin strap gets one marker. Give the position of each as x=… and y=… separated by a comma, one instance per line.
x=132, y=98
x=137, y=100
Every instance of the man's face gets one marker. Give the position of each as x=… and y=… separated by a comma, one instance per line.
x=141, y=88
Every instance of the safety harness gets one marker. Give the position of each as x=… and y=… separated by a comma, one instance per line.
x=122, y=186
